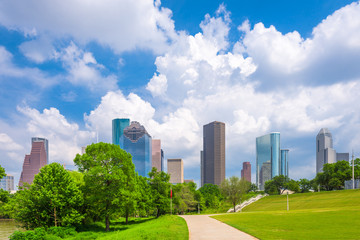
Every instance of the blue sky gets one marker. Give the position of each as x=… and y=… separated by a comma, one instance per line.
x=68, y=67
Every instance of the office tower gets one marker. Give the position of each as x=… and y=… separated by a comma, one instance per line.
x=324, y=149
x=175, y=168
x=7, y=183
x=284, y=168
x=202, y=167
x=33, y=162
x=46, y=142
x=342, y=156
x=246, y=171
x=157, y=155
x=269, y=161
x=213, y=167
x=137, y=142
x=118, y=126
x=162, y=160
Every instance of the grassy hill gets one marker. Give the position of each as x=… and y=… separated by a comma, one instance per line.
x=324, y=215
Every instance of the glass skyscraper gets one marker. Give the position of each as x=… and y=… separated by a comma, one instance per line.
x=284, y=162
x=270, y=160
x=118, y=126
x=138, y=143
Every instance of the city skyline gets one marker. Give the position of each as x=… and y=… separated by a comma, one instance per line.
x=259, y=68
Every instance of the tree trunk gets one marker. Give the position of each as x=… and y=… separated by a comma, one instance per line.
x=234, y=207
x=158, y=213
x=55, y=216
x=107, y=222
x=127, y=216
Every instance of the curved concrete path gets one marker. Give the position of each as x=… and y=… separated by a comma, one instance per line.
x=205, y=227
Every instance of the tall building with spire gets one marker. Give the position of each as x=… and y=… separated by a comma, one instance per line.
x=325, y=153
x=213, y=154
x=34, y=161
x=118, y=126
x=138, y=142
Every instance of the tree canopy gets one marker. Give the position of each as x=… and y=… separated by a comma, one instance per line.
x=109, y=177
x=234, y=188
x=52, y=200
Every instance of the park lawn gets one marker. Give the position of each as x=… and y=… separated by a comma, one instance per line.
x=164, y=227
x=325, y=215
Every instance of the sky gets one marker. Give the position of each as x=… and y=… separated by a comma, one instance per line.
x=67, y=68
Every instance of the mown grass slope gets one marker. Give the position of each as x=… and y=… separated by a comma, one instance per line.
x=324, y=215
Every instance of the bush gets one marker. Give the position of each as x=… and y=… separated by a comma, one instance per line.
x=62, y=231
x=52, y=233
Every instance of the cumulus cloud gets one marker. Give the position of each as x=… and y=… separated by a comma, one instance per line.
x=7, y=143
x=9, y=71
x=328, y=56
x=65, y=138
x=157, y=85
x=84, y=70
x=121, y=25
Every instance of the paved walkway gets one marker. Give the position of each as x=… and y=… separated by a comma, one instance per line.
x=205, y=227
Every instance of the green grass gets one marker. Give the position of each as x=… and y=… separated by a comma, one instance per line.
x=165, y=227
x=324, y=215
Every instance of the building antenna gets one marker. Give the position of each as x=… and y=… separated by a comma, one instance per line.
x=353, y=180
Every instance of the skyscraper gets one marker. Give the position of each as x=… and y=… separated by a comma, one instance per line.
x=325, y=153
x=246, y=171
x=213, y=162
x=157, y=155
x=175, y=169
x=284, y=168
x=118, y=126
x=270, y=160
x=138, y=143
x=7, y=183
x=46, y=142
x=33, y=162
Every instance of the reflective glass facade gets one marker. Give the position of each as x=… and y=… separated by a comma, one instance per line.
x=118, y=126
x=267, y=158
x=285, y=162
x=138, y=143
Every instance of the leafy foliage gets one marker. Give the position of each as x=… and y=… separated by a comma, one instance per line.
x=279, y=184
x=234, y=188
x=334, y=175
x=109, y=177
x=52, y=200
x=160, y=191
x=212, y=195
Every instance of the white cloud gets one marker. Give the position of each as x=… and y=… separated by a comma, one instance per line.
x=65, y=138
x=7, y=143
x=116, y=105
x=157, y=85
x=84, y=70
x=121, y=25
x=38, y=50
x=9, y=71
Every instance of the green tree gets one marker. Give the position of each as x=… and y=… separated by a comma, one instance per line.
x=144, y=197
x=109, y=175
x=52, y=200
x=184, y=197
x=211, y=194
x=278, y=184
x=305, y=185
x=253, y=187
x=160, y=191
x=293, y=185
x=234, y=188
x=2, y=172
x=334, y=175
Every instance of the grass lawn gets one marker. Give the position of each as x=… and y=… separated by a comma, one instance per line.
x=165, y=227
x=324, y=215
